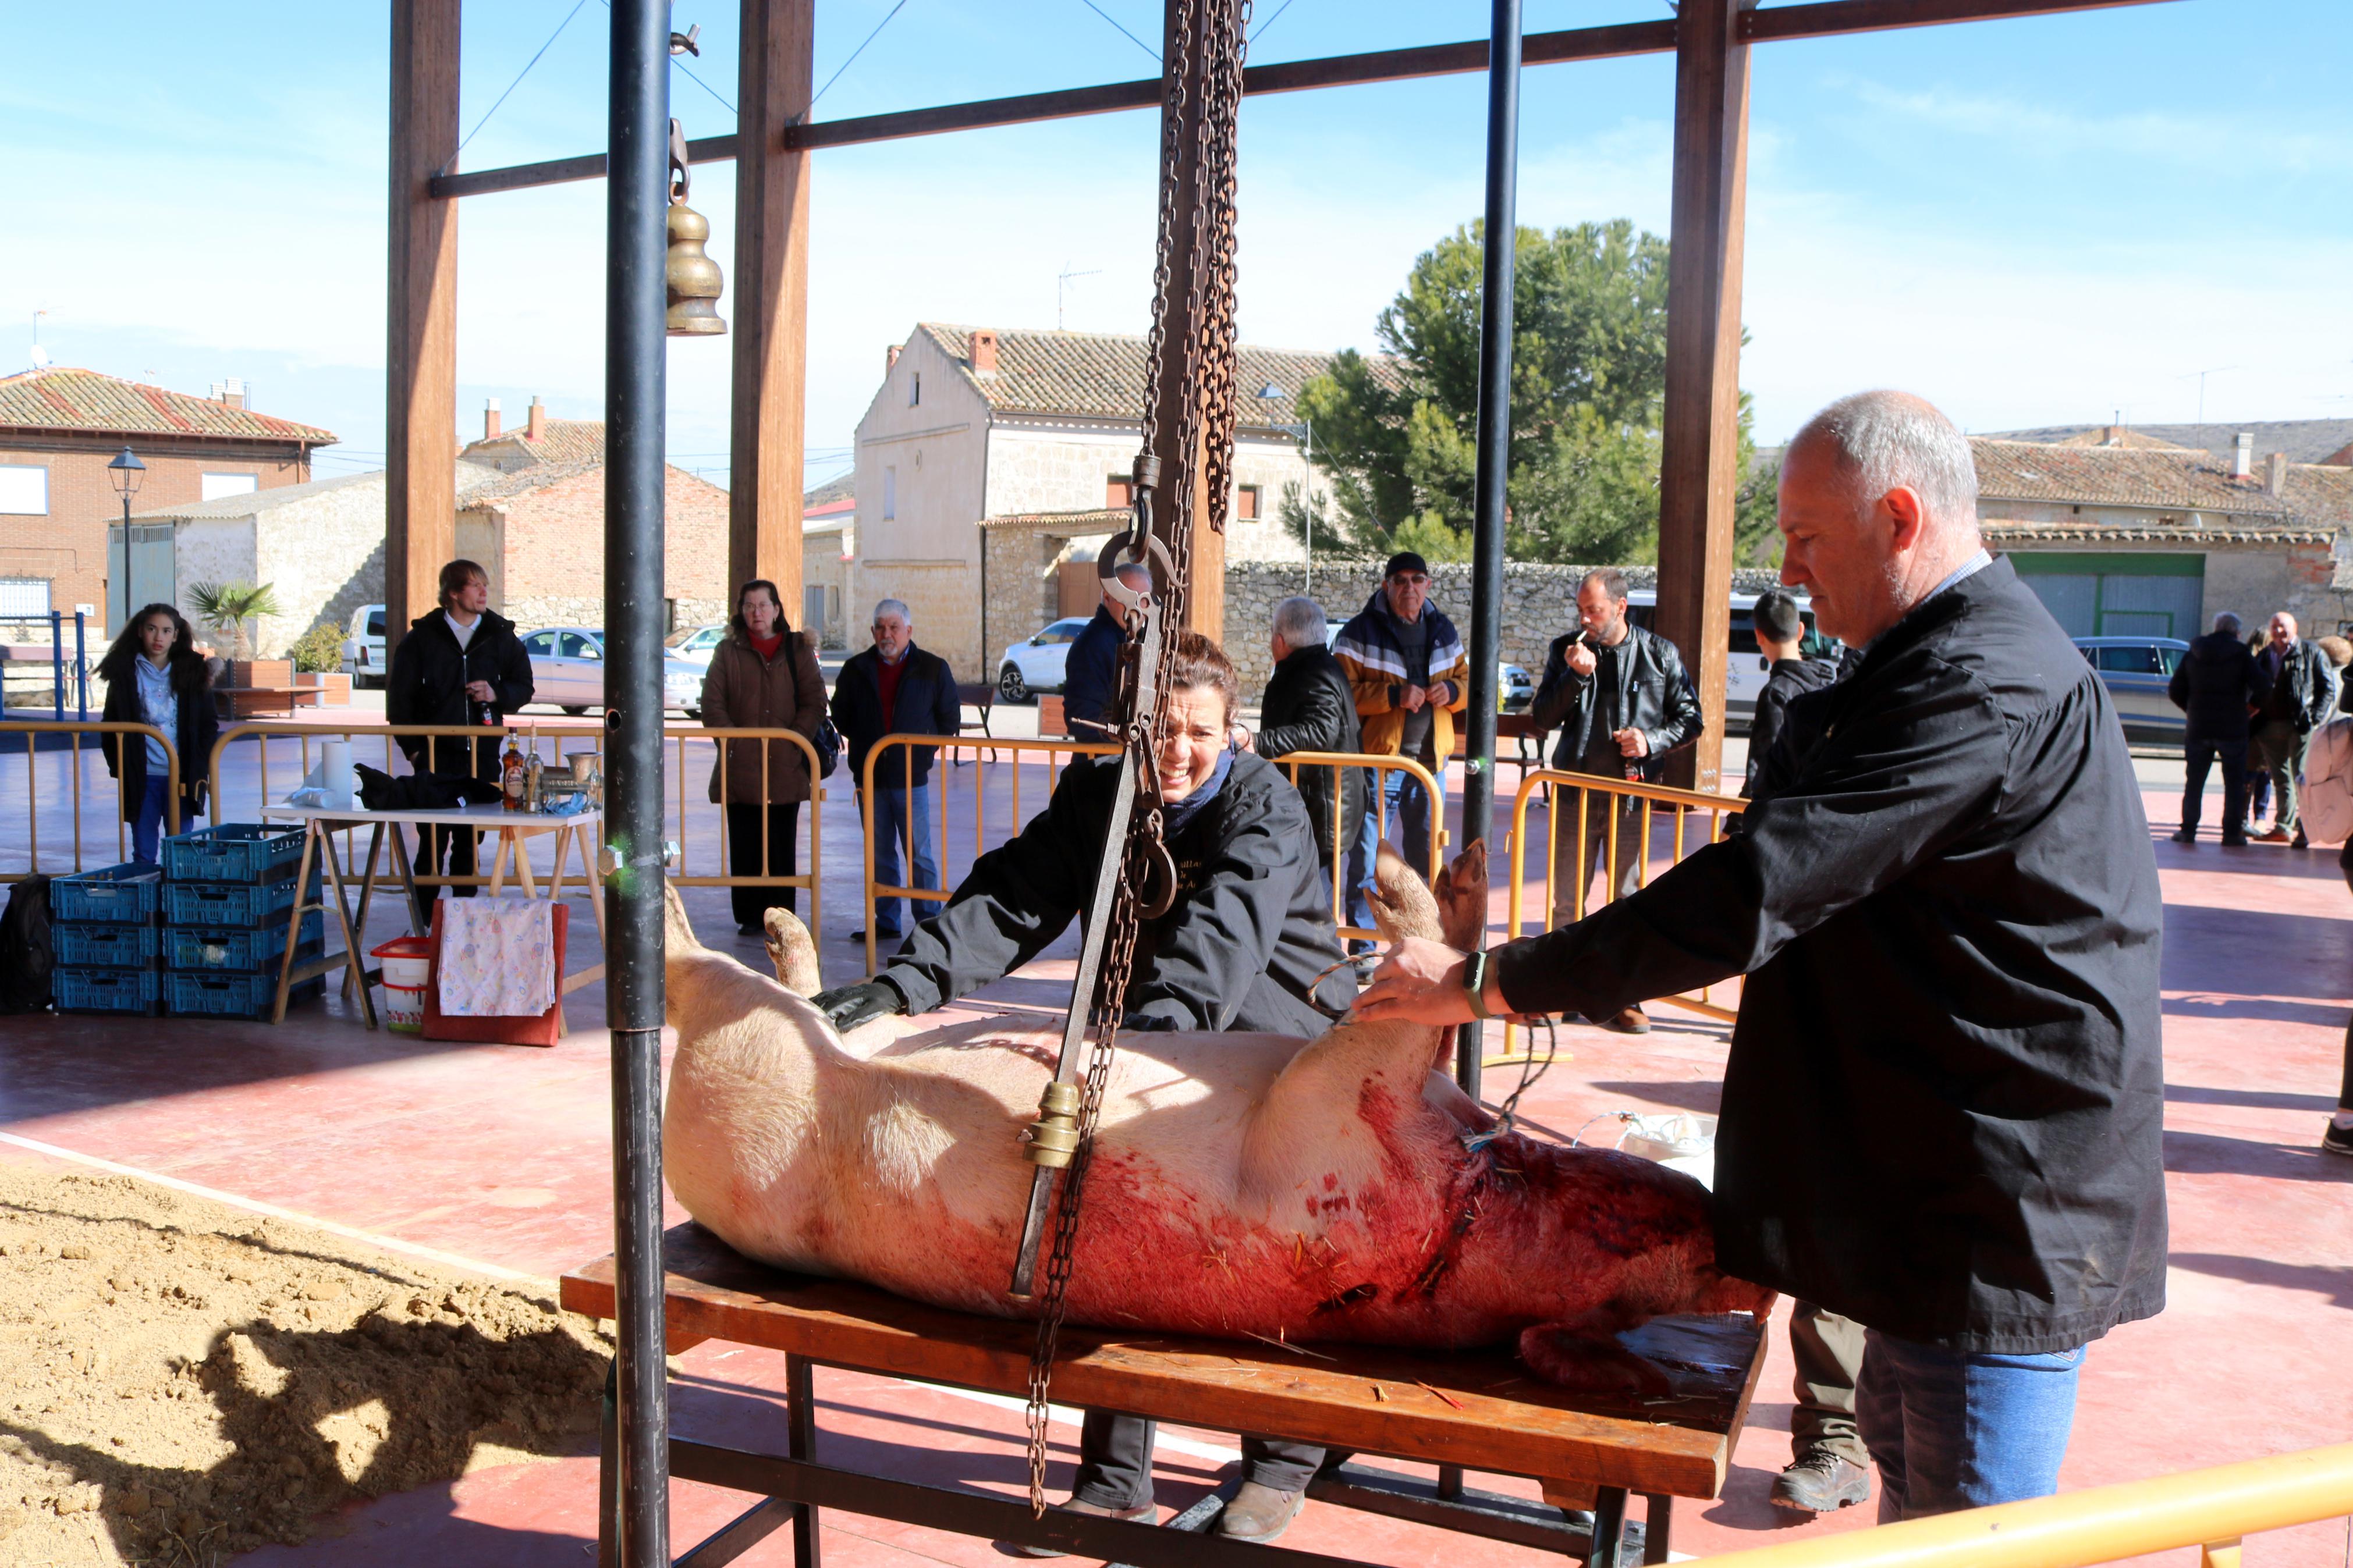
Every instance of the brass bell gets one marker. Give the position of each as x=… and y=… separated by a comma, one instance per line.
x=692, y=276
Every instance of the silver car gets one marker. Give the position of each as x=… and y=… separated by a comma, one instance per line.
x=568, y=671
x=2136, y=672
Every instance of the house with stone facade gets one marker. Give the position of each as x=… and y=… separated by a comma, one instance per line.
x=1006, y=452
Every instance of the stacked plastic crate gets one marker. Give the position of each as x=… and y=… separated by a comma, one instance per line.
x=102, y=926
x=229, y=895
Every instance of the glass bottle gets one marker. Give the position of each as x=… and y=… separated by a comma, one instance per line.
x=512, y=775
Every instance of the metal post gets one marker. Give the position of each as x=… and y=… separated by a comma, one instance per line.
x=57, y=666
x=1494, y=437
x=636, y=197
x=81, y=670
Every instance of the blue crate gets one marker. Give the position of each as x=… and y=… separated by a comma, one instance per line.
x=217, y=906
x=104, y=990
x=245, y=852
x=104, y=946
x=120, y=895
x=247, y=947
x=229, y=994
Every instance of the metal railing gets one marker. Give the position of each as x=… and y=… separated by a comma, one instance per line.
x=70, y=760
x=1576, y=795
x=2212, y=1509
x=1376, y=801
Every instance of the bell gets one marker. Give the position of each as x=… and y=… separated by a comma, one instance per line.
x=692, y=276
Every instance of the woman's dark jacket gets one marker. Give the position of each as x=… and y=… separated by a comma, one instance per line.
x=427, y=685
x=1310, y=707
x=2214, y=685
x=1653, y=696
x=740, y=691
x=1942, y=1107
x=1241, y=949
x=126, y=755
x=927, y=705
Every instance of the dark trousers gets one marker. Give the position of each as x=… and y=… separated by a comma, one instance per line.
x=453, y=845
x=2279, y=748
x=1828, y=1350
x=1572, y=873
x=1116, y=1461
x=2202, y=756
x=783, y=821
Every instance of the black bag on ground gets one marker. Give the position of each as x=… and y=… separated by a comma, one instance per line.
x=26, y=957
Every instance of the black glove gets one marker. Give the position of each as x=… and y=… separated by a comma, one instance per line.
x=851, y=1005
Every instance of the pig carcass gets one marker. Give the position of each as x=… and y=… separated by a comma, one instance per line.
x=1241, y=1184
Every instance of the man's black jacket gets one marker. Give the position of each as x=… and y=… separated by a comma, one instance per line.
x=427, y=685
x=1240, y=949
x=2214, y=684
x=927, y=705
x=1944, y=1102
x=1090, y=676
x=2311, y=684
x=1654, y=696
x=1788, y=677
x=1310, y=707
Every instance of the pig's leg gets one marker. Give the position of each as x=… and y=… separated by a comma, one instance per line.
x=1583, y=1354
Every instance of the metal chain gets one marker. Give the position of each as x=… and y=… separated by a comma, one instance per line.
x=1220, y=25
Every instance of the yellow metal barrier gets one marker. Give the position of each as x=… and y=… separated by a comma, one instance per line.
x=1055, y=753
x=1563, y=791
x=1376, y=801
x=2212, y=1509
x=31, y=729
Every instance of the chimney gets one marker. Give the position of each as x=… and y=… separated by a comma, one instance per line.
x=536, y=427
x=231, y=392
x=984, y=351
x=2275, y=474
x=2242, y=458
x=2113, y=436
x=889, y=359
x=491, y=419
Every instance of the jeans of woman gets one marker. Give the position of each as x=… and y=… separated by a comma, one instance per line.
x=1955, y=1429
x=147, y=827
x=783, y=821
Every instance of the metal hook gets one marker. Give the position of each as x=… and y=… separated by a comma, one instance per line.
x=679, y=176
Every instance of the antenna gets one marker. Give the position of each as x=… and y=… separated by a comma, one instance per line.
x=1062, y=287
x=40, y=354
x=2202, y=375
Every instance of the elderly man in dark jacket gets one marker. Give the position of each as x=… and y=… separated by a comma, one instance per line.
x=1309, y=706
x=2217, y=685
x=2301, y=693
x=1619, y=695
x=1091, y=672
x=896, y=689
x=1944, y=1105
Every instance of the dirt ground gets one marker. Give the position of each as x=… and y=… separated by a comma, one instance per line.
x=184, y=1380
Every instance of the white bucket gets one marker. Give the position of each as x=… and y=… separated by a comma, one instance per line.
x=403, y=1005
x=410, y=973
x=1679, y=1140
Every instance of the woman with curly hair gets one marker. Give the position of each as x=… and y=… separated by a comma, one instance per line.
x=154, y=675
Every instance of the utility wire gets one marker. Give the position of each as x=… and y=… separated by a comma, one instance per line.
x=858, y=51
x=1131, y=38
x=1270, y=22
x=702, y=84
x=534, y=60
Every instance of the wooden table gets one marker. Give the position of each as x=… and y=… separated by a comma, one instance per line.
x=575, y=830
x=1477, y=1411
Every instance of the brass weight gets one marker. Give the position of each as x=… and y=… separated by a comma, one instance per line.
x=1054, y=1136
x=694, y=279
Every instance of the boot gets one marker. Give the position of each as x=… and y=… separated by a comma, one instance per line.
x=1260, y=1513
x=1819, y=1481
x=1629, y=1021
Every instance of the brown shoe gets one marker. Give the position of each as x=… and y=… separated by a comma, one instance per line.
x=1260, y=1513
x=2273, y=836
x=1143, y=1513
x=1819, y=1481
x=1632, y=1021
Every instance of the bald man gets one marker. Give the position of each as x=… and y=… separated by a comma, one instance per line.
x=1942, y=1105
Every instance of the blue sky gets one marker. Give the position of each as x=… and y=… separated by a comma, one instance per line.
x=2030, y=221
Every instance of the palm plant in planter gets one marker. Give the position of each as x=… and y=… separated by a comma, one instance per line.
x=230, y=607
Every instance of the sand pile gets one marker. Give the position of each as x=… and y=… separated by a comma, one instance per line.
x=184, y=1380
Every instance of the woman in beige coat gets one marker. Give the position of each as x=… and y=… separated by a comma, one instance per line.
x=764, y=676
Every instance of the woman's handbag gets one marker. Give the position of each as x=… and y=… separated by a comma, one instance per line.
x=827, y=743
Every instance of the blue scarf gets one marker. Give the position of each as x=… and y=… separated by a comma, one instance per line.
x=1174, y=819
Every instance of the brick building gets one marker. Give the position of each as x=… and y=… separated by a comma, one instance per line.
x=540, y=533
x=59, y=427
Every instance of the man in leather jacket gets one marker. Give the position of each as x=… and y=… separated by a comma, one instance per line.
x=2303, y=694
x=1621, y=698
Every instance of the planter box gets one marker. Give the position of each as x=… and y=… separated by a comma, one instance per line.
x=334, y=689
x=261, y=672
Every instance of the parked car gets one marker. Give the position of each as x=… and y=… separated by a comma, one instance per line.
x=567, y=670
x=2137, y=670
x=363, y=646
x=1746, y=671
x=1036, y=663
x=695, y=644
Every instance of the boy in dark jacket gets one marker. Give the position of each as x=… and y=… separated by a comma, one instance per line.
x=896, y=689
x=1781, y=638
x=2217, y=685
x=461, y=664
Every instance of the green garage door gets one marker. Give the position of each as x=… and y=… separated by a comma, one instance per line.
x=2096, y=594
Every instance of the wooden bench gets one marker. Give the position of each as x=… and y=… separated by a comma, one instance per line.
x=978, y=694
x=1474, y=1411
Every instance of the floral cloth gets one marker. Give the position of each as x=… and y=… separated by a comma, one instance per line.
x=498, y=958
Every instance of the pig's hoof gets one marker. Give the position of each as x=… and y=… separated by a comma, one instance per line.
x=1590, y=1364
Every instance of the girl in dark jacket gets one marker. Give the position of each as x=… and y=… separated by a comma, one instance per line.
x=154, y=675
x=764, y=676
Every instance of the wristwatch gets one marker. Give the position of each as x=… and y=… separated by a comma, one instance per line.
x=1474, y=983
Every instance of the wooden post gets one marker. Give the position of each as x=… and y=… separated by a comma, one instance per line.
x=771, y=289
x=1698, y=472
x=420, y=405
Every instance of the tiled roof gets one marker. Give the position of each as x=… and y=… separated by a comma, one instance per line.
x=495, y=486
x=837, y=493
x=1102, y=374
x=2322, y=495
x=2117, y=475
x=63, y=398
x=2303, y=440
x=561, y=441
x=2006, y=530
x=470, y=478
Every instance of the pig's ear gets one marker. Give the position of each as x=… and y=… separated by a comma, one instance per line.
x=1462, y=893
x=678, y=931
x=792, y=952
x=1401, y=904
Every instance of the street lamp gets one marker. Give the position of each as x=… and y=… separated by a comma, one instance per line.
x=127, y=472
x=1305, y=431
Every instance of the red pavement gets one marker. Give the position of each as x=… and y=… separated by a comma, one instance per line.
x=500, y=1155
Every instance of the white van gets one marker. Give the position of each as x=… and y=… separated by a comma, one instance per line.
x=363, y=648
x=1744, y=671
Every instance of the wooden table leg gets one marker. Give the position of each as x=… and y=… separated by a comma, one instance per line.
x=295, y=925
x=800, y=1443
x=521, y=862
x=420, y=919
x=1609, y=1528
x=499, y=861
x=555, y=897
x=368, y=887
x=1658, y=1520
x=354, y=961
x=596, y=884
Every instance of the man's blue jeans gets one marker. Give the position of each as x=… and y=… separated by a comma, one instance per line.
x=1404, y=802
x=1955, y=1429
x=895, y=816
